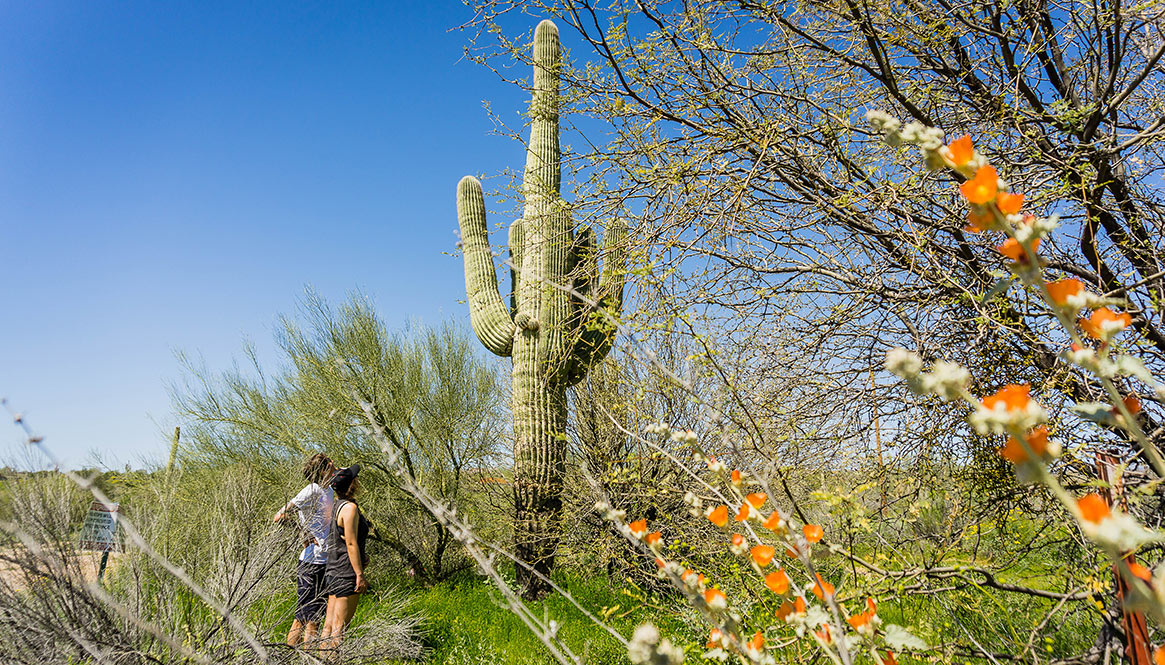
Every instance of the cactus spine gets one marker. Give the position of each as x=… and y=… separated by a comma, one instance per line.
x=552, y=334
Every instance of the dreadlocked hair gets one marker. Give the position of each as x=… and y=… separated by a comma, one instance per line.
x=316, y=468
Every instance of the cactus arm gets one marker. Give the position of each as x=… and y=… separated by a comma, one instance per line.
x=598, y=326
x=488, y=314
x=543, y=175
x=516, y=240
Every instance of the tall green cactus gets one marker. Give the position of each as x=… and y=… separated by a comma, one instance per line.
x=553, y=329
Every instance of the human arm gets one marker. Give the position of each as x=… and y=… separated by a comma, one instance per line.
x=298, y=501
x=349, y=519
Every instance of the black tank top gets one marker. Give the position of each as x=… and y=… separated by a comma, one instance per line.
x=339, y=565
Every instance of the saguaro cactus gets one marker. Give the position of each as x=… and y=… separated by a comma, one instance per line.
x=553, y=328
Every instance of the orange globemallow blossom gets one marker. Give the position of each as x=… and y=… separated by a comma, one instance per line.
x=762, y=555
x=756, y=500
x=715, y=599
x=1062, y=289
x=757, y=642
x=1014, y=251
x=1037, y=440
x=653, y=537
x=961, y=151
x=1093, y=508
x=983, y=187
x=784, y=610
x=736, y=477
x=744, y=512
x=719, y=516
x=1013, y=397
x=1132, y=404
x=638, y=528
x=737, y=539
x=1140, y=572
x=714, y=638
x=822, y=588
x=1094, y=325
x=979, y=220
x=799, y=605
x=1009, y=204
x=823, y=634
x=773, y=523
x=890, y=659
x=661, y=563
x=777, y=581
x=813, y=533
x=1159, y=656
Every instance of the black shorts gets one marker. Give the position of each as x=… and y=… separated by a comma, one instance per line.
x=311, y=599
x=340, y=586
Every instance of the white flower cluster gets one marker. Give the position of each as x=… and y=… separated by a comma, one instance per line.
x=684, y=436
x=946, y=379
x=929, y=139
x=658, y=428
x=1002, y=420
x=608, y=513
x=1119, y=531
x=694, y=503
x=645, y=648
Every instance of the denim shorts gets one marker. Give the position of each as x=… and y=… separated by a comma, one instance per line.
x=311, y=598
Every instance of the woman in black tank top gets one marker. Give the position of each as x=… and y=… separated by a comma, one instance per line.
x=344, y=573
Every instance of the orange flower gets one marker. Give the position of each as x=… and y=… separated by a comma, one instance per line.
x=871, y=606
x=813, y=533
x=822, y=588
x=961, y=151
x=1014, y=251
x=791, y=553
x=719, y=516
x=1132, y=404
x=715, y=599
x=979, y=220
x=653, y=537
x=1009, y=204
x=714, y=638
x=891, y=660
x=735, y=477
x=1093, y=508
x=784, y=610
x=858, y=620
x=777, y=581
x=1140, y=572
x=744, y=512
x=773, y=523
x=661, y=563
x=1013, y=397
x=1037, y=440
x=823, y=634
x=983, y=187
x=762, y=555
x=799, y=605
x=757, y=642
x=756, y=500
x=1159, y=656
x=1063, y=289
x=638, y=528
x=1104, y=318
x=737, y=539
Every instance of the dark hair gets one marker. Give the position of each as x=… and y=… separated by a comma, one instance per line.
x=317, y=468
x=347, y=491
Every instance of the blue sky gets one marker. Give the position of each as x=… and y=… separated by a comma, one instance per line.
x=174, y=174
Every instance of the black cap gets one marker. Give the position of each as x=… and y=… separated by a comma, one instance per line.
x=344, y=477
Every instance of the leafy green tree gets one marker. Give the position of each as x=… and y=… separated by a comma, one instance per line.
x=438, y=401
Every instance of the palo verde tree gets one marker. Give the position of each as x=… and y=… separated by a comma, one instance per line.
x=560, y=319
x=736, y=131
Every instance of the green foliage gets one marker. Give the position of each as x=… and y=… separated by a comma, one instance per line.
x=438, y=402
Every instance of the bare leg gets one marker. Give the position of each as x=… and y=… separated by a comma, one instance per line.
x=294, y=634
x=311, y=631
x=340, y=613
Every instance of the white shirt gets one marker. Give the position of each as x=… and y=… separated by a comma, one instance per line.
x=314, y=505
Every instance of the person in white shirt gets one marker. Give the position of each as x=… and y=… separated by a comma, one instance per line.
x=314, y=507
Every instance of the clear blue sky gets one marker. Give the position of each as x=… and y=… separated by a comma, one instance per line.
x=172, y=174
